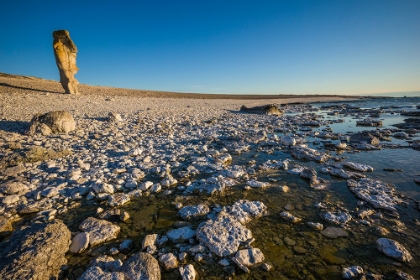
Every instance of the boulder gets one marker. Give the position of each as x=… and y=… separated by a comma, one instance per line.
x=270, y=109
x=36, y=251
x=393, y=249
x=65, y=57
x=99, y=231
x=141, y=266
x=54, y=122
x=223, y=235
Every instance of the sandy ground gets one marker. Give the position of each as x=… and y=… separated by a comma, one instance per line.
x=22, y=97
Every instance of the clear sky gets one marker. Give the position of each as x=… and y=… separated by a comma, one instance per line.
x=233, y=47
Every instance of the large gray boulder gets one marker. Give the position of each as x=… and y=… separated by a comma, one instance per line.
x=35, y=252
x=141, y=266
x=54, y=122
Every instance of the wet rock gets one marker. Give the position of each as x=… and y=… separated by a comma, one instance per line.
x=329, y=254
x=337, y=218
x=378, y=194
x=79, y=243
x=334, y=232
x=194, y=212
x=250, y=257
x=315, y=226
x=99, y=230
x=369, y=122
x=54, y=122
x=289, y=217
x=187, y=272
x=35, y=252
x=305, y=153
x=358, y=166
x=118, y=199
x=365, y=137
x=180, y=234
x=96, y=273
x=141, y=266
x=393, y=249
x=351, y=272
x=223, y=235
x=257, y=184
x=168, y=261
x=403, y=276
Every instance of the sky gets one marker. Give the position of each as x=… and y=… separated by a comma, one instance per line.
x=230, y=47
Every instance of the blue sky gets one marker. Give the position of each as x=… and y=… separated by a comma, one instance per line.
x=233, y=47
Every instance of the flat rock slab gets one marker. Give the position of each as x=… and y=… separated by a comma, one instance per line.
x=223, y=235
x=334, y=232
x=35, y=252
x=99, y=231
x=250, y=257
x=141, y=266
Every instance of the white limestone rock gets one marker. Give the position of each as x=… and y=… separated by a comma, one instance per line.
x=187, y=272
x=337, y=218
x=95, y=272
x=351, y=272
x=250, y=257
x=393, y=249
x=180, y=235
x=289, y=217
x=149, y=240
x=245, y=210
x=118, y=199
x=257, y=184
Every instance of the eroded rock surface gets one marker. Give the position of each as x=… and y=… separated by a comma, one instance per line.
x=54, y=122
x=65, y=57
x=35, y=252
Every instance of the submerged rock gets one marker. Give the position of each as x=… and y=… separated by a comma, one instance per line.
x=35, y=252
x=393, y=249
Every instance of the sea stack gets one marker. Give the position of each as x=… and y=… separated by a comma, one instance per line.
x=65, y=57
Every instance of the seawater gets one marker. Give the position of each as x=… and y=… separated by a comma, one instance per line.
x=296, y=251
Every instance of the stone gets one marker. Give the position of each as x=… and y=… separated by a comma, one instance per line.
x=114, y=117
x=403, y=276
x=250, y=257
x=351, y=272
x=257, y=184
x=145, y=185
x=107, y=263
x=96, y=273
x=245, y=210
x=99, y=231
x=288, y=141
x=305, y=153
x=393, y=249
x=315, y=226
x=14, y=188
x=180, y=235
x=79, y=243
x=141, y=266
x=118, y=199
x=334, y=232
x=5, y=226
x=54, y=122
x=126, y=246
x=36, y=251
x=375, y=192
x=187, y=272
x=168, y=261
x=194, y=212
x=289, y=217
x=337, y=218
x=364, y=137
x=223, y=235
x=65, y=57
x=358, y=166
x=270, y=109
x=149, y=240
x=10, y=199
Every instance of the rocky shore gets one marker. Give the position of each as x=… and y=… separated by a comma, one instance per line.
x=137, y=187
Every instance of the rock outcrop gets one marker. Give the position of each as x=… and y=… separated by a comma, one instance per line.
x=270, y=109
x=35, y=252
x=65, y=57
x=54, y=122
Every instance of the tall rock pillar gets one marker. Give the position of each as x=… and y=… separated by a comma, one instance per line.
x=65, y=57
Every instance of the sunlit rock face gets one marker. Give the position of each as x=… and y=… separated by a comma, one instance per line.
x=65, y=57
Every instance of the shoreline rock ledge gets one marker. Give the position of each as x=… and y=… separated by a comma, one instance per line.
x=35, y=252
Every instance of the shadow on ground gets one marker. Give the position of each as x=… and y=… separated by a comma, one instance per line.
x=14, y=126
x=28, y=88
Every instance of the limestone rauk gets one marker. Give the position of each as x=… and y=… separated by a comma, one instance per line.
x=65, y=57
